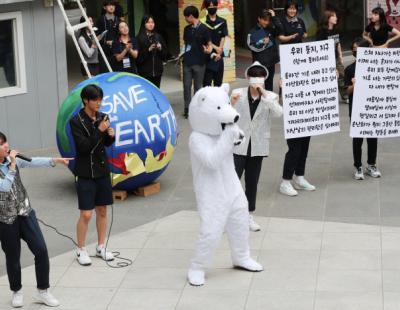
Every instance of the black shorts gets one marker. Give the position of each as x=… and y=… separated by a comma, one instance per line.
x=93, y=192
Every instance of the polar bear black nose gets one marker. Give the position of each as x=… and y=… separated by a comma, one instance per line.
x=236, y=118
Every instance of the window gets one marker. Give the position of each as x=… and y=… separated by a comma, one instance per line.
x=12, y=57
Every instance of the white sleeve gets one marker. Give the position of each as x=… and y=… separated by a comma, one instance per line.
x=272, y=101
x=85, y=48
x=212, y=154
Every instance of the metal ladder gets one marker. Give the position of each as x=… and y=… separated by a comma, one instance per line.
x=72, y=29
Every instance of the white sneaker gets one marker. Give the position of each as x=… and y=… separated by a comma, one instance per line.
x=373, y=171
x=17, y=299
x=287, y=189
x=102, y=253
x=299, y=182
x=249, y=265
x=359, y=174
x=253, y=225
x=45, y=297
x=83, y=257
x=196, y=277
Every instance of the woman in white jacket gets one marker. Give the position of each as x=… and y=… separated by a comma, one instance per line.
x=255, y=106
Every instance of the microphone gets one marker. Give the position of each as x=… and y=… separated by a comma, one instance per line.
x=23, y=157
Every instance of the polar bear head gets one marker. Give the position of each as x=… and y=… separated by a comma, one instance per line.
x=210, y=110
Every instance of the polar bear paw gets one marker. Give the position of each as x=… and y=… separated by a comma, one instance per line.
x=196, y=277
x=249, y=265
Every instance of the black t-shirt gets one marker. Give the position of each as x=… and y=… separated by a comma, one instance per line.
x=380, y=36
x=107, y=24
x=289, y=28
x=326, y=34
x=128, y=64
x=194, y=38
x=218, y=29
x=349, y=74
x=253, y=105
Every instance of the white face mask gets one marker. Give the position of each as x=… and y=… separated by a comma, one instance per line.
x=256, y=82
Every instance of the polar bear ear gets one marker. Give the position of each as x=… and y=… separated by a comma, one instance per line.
x=225, y=87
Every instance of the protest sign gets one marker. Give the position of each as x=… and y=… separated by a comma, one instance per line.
x=376, y=100
x=309, y=89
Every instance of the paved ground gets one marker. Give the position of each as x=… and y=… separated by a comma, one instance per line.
x=336, y=248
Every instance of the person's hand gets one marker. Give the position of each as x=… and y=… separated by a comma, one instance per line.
x=207, y=49
x=128, y=46
x=353, y=80
x=94, y=45
x=234, y=99
x=217, y=57
x=219, y=50
x=280, y=83
x=266, y=40
x=152, y=47
x=12, y=155
x=110, y=132
x=109, y=43
x=62, y=161
x=294, y=36
x=272, y=12
x=159, y=46
x=386, y=45
x=104, y=125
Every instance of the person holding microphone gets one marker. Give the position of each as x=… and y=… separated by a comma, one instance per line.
x=92, y=133
x=18, y=221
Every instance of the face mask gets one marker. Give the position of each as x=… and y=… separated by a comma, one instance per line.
x=355, y=54
x=256, y=82
x=212, y=11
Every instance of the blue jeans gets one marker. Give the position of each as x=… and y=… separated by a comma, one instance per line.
x=27, y=229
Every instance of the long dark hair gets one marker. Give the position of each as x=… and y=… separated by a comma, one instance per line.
x=382, y=16
x=84, y=34
x=145, y=19
x=324, y=20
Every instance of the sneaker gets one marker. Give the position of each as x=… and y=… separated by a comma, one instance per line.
x=17, y=299
x=373, y=171
x=287, y=189
x=102, y=253
x=301, y=183
x=359, y=174
x=82, y=257
x=253, y=225
x=196, y=277
x=45, y=297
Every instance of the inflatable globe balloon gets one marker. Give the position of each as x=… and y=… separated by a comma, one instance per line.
x=143, y=121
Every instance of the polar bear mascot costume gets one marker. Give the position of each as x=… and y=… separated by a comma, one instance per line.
x=221, y=202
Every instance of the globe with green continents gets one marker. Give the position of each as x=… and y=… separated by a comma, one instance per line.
x=143, y=121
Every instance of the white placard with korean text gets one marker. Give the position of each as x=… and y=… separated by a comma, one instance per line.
x=376, y=98
x=309, y=89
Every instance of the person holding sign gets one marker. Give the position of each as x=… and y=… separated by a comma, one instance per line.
x=349, y=80
x=255, y=106
x=262, y=42
x=327, y=30
x=293, y=29
x=378, y=31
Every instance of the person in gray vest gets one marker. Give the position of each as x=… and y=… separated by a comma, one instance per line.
x=255, y=106
x=18, y=221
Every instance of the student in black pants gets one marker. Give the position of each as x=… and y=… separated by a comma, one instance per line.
x=349, y=82
x=262, y=42
x=218, y=30
x=18, y=221
x=256, y=106
x=152, y=51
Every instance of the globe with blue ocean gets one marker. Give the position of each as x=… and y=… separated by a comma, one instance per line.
x=144, y=124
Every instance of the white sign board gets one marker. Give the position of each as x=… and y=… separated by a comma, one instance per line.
x=376, y=100
x=309, y=89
